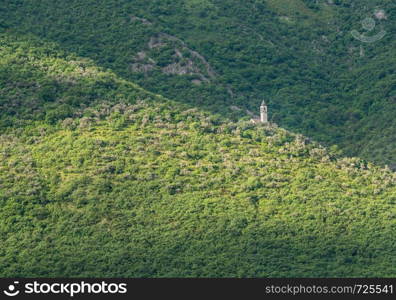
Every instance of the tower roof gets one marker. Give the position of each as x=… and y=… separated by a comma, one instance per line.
x=263, y=103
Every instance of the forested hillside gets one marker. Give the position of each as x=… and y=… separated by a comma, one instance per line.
x=298, y=55
x=99, y=177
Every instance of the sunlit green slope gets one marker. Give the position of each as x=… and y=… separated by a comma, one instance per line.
x=101, y=178
x=299, y=55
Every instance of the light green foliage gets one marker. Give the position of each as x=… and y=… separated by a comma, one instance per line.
x=101, y=178
x=299, y=55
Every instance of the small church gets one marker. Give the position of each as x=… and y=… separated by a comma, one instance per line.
x=263, y=119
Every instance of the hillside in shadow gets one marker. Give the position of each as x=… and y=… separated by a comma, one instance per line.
x=214, y=55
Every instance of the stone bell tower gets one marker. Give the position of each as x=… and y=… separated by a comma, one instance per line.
x=263, y=112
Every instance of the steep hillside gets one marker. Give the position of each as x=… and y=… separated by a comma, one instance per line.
x=299, y=55
x=101, y=178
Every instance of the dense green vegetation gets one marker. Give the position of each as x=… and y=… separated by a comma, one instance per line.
x=297, y=54
x=99, y=177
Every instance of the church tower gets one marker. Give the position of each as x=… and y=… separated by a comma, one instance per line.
x=263, y=113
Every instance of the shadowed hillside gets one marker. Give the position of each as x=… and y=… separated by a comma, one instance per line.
x=298, y=55
x=99, y=178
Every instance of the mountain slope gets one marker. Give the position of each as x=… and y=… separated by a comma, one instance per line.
x=298, y=55
x=130, y=184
